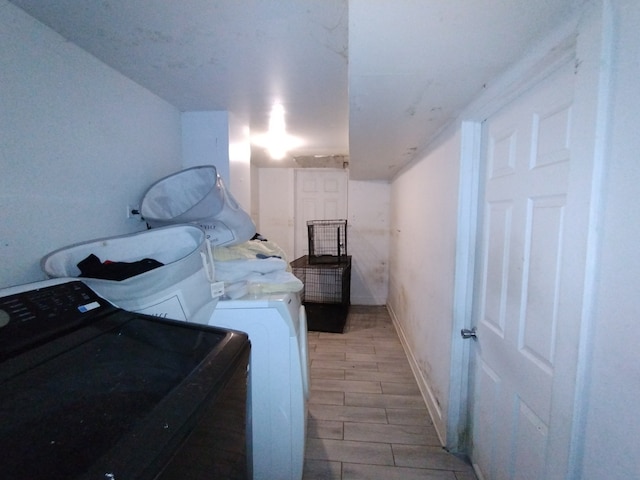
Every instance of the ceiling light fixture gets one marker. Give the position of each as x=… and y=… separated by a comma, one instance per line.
x=276, y=141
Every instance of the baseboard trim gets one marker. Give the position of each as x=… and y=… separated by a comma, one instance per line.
x=427, y=395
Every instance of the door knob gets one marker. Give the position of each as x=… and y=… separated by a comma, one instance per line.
x=468, y=333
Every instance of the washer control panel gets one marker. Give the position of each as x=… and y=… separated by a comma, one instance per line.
x=32, y=316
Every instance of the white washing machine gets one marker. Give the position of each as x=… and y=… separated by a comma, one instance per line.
x=279, y=376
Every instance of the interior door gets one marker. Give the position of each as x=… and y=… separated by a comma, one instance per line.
x=528, y=308
x=321, y=194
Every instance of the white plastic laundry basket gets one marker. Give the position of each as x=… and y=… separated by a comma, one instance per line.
x=175, y=290
x=197, y=195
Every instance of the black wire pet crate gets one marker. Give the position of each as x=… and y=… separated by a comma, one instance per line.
x=326, y=294
x=326, y=275
x=327, y=241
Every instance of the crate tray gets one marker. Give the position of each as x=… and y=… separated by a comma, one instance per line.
x=325, y=317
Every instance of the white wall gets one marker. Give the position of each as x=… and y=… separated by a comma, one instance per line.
x=78, y=142
x=368, y=241
x=254, y=174
x=612, y=431
x=368, y=237
x=422, y=262
x=239, y=162
x=276, y=207
x=205, y=141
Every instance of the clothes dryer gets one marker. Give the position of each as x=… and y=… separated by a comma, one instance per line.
x=279, y=377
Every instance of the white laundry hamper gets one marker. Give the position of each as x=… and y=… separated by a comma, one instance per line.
x=175, y=290
x=198, y=195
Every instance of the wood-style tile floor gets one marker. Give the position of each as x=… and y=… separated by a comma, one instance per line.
x=367, y=419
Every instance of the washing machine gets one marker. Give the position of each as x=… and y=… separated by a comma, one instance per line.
x=88, y=390
x=279, y=377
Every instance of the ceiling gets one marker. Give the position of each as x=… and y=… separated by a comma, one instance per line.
x=369, y=80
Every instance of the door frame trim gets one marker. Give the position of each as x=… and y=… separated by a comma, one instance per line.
x=457, y=422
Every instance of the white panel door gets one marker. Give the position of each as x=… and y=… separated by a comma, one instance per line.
x=320, y=195
x=528, y=308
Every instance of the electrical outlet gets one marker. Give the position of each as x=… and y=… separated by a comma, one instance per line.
x=133, y=211
x=217, y=289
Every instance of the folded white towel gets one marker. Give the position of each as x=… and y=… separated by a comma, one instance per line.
x=269, y=272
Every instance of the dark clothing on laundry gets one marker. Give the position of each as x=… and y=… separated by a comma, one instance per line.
x=92, y=267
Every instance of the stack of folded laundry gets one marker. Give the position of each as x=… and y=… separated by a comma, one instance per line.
x=258, y=264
